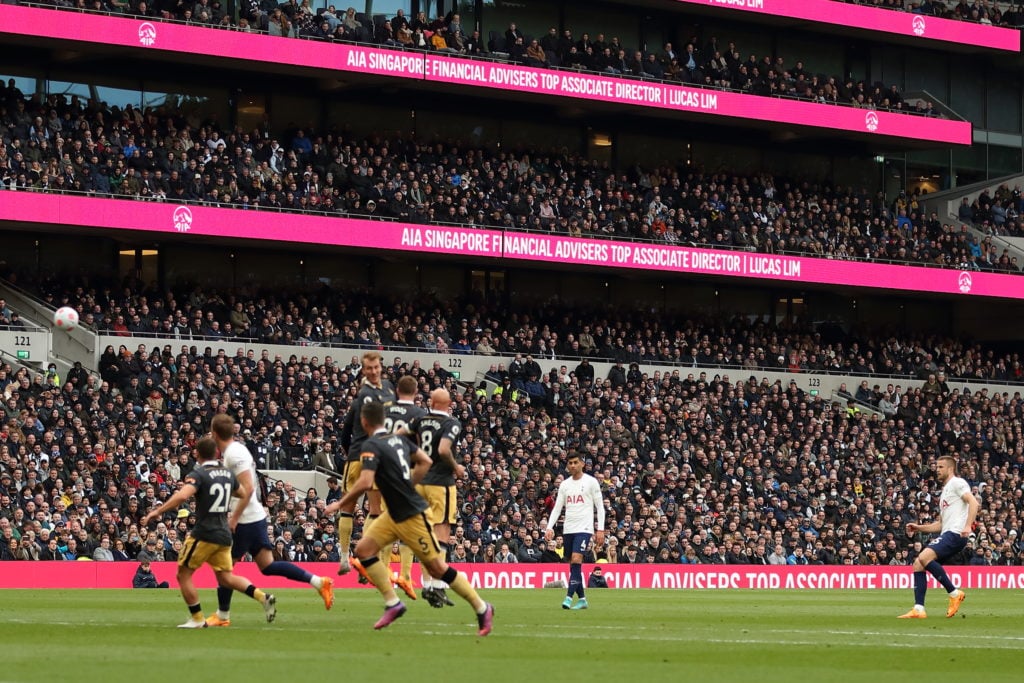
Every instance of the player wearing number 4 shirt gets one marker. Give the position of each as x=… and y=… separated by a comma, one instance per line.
x=437, y=432
x=958, y=509
x=580, y=495
x=209, y=542
x=397, y=465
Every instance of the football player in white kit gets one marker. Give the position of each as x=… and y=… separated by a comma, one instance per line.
x=580, y=495
x=248, y=522
x=958, y=509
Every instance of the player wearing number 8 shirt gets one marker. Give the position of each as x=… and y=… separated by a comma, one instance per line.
x=386, y=460
x=397, y=417
x=437, y=433
x=209, y=542
x=373, y=389
x=580, y=495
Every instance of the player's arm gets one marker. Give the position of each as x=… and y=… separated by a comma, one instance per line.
x=972, y=512
x=180, y=496
x=420, y=464
x=243, y=492
x=345, y=438
x=599, y=505
x=931, y=528
x=445, y=454
x=549, y=532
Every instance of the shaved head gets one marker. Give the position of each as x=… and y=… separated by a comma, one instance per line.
x=440, y=399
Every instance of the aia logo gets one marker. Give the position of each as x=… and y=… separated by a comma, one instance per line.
x=182, y=219
x=965, y=282
x=918, y=25
x=871, y=121
x=572, y=500
x=147, y=33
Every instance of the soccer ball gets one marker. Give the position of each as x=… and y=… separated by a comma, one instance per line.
x=65, y=318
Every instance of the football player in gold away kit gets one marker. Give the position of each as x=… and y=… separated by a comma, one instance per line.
x=209, y=542
x=396, y=464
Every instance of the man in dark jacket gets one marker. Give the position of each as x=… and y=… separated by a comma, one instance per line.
x=144, y=578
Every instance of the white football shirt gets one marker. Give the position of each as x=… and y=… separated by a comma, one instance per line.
x=580, y=498
x=952, y=506
x=238, y=459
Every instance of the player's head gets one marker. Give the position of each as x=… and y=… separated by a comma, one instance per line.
x=406, y=388
x=945, y=467
x=372, y=367
x=206, y=449
x=372, y=416
x=223, y=427
x=575, y=464
x=440, y=400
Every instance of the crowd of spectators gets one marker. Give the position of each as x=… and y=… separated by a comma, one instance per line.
x=995, y=213
x=474, y=324
x=59, y=144
x=695, y=467
x=711, y=63
x=989, y=12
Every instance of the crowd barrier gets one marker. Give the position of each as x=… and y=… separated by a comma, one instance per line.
x=86, y=574
x=440, y=68
x=185, y=222
x=877, y=19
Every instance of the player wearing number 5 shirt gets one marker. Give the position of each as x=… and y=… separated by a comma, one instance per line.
x=396, y=465
x=580, y=495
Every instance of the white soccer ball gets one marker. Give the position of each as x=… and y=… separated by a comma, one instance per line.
x=65, y=318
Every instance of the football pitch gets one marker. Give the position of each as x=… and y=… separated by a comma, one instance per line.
x=637, y=636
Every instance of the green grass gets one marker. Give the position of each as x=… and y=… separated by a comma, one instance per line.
x=631, y=636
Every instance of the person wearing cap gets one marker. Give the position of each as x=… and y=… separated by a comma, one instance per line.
x=248, y=522
x=597, y=579
x=579, y=495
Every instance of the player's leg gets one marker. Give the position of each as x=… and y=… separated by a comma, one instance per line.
x=324, y=585
x=380, y=534
x=579, y=545
x=920, y=584
x=949, y=544
x=249, y=539
x=442, y=513
x=346, y=516
x=417, y=532
x=219, y=559
x=190, y=595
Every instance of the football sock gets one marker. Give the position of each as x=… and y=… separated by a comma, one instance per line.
x=196, y=611
x=381, y=578
x=288, y=571
x=939, y=572
x=223, y=601
x=256, y=594
x=345, y=533
x=406, y=571
x=920, y=587
x=315, y=581
x=461, y=586
x=575, y=580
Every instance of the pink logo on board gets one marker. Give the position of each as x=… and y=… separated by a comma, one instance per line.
x=965, y=282
x=182, y=219
x=918, y=25
x=147, y=33
x=871, y=121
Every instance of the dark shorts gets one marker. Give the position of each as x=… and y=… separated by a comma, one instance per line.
x=947, y=545
x=250, y=538
x=577, y=543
